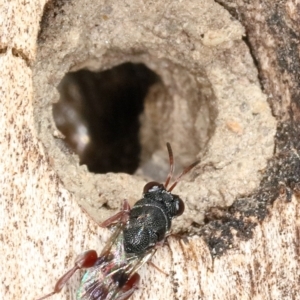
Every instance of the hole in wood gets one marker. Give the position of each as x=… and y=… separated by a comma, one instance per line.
x=98, y=113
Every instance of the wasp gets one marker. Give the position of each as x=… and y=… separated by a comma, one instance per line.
x=137, y=233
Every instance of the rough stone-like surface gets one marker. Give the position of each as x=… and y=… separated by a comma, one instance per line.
x=211, y=106
x=19, y=27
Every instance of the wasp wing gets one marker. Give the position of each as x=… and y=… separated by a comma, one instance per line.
x=110, y=277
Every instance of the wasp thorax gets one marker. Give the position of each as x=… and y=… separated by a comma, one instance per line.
x=150, y=218
x=138, y=239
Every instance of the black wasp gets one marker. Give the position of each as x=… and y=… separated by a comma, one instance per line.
x=138, y=232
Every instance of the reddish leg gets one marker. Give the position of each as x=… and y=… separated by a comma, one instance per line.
x=83, y=261
x=130, y=286
x=150, y=263
x=120, y=216
x=171, y=160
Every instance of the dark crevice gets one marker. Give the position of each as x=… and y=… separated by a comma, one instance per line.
x=233, y=11
x=20, y=53
x=255, y=60
x=99, y=115
x=3, y=50
x=51, y=10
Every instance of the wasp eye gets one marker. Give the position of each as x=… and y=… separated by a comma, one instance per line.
x=179, y=207
x=152, y=184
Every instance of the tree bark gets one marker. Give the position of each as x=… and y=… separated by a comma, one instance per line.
x=248, y=250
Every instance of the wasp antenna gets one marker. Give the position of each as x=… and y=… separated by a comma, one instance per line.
x=186, y=170
x=171, y=160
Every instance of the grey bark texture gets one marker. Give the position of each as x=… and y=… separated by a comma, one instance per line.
x=229, y=95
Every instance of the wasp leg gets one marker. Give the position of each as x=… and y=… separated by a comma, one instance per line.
x=120, y=216
x=150, y=263
x=130, y=286
x=83, y=261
